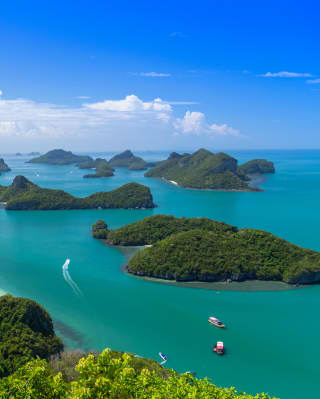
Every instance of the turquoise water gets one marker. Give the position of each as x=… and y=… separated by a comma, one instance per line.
x=272, y=337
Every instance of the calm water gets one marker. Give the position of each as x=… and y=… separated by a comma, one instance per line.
x=272, y=337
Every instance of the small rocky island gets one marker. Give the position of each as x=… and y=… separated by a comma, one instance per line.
x=128, y=160
x=3, y=166
x=101, y=166
x=25, y=195
x=60, y=157
x=205, y=170
x=200, y=249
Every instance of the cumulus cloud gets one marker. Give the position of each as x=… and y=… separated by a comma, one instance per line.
x=115, y=122
x=155, y=74
x=286, y=74
x=0, y=93
x=313, y=81
x=195, y=123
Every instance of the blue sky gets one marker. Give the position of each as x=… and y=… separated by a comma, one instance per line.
x=99, y=75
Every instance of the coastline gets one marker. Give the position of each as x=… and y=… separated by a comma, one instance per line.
x=247, y=285
x=252, y=189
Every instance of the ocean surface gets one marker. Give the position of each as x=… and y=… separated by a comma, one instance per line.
x=272, y=338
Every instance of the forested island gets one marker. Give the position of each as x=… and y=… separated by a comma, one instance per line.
x=3, y=166
x=60, y=157
x=129, y=160
x=101, y=166
x=34, y=365
x=205, y=170
x=200, y=249
x=25, y=195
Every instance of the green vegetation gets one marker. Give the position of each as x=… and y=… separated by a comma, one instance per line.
x=204, y=255
x=154, y=228
x=114, y=377
x=200, y=249
x=3, y=166
x=26, y=331
x=203, y=170
x=60, y=157
x=128, y=160
x=24, y=195
x=102, y=167
x=256, y=166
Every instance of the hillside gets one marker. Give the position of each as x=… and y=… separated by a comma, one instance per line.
x=127, y=159
x=203, y=170
x=3, y=166
x=256, y=166
x=60, y=157
x=154, y=228
x=25, y=195
x=108, y=375
x=26, y=331
x=101, y=166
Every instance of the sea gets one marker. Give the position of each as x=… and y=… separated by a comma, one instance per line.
x=272, y=337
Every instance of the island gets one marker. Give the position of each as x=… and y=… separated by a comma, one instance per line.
x=60, y=157
x=25, y=195
x=200, y=249
x=26, y=331
x=205, y=170
x=3, y=166
x=127, y=159
x=33, y=153
x=256, y=166
x=101, y=166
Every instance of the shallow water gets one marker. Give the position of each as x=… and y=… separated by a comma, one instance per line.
x=272, y=337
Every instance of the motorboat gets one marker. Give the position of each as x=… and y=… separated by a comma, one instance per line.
x=219, y=348
x=216, y=322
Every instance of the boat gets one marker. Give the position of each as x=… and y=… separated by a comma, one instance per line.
x=219, y=348
x=163, y=357
x=216, y=322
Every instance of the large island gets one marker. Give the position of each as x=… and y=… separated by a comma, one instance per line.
x=25, y=195
x=60, y=157
x=200, y=249
x=205, y=170
x=129, y=160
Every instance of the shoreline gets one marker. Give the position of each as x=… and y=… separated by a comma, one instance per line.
x=236, y=190
x=246, y=286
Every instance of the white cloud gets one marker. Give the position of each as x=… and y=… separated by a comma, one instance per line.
x=313, y=81
x=155, y=74
x=0, y=93
x=224, y=130
x=286, y=74
x=83, y=97
x=118, y=123
x=195, y=123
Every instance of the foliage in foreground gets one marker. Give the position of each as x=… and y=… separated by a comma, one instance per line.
x=106, y=376
x=24, y=195
x=26, y=331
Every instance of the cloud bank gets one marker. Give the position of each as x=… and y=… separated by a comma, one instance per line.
x=128, y=120
x=286, y=74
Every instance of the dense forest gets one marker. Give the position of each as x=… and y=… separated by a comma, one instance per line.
x=26, y=331
x=25, y=195
x=205, y=170
x=200, y=249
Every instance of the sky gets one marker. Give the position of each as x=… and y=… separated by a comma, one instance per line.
x=171, y=75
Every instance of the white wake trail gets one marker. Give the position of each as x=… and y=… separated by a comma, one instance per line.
x=68, y=278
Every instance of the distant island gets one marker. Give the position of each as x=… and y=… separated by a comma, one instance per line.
x=101, y=166
x=34, y=153
x=3, y=166
x=60, y=157
x=200, y=249
x=205, y=170
x=25, y=195
x=127, y=159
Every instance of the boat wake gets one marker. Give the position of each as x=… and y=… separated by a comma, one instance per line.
x=68, y=278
